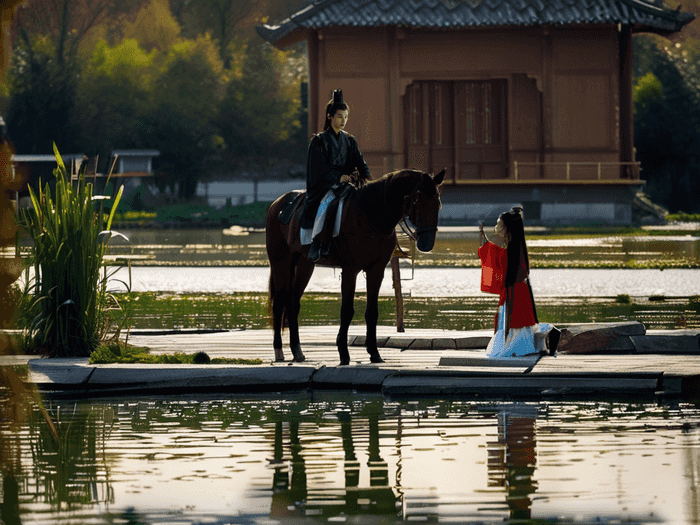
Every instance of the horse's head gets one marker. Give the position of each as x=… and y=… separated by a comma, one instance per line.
x=421, y=209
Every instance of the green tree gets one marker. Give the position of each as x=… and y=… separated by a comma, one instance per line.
x=154, y=27
x=47, y=37
x=42, y=101
x=186, y=99
x=220, y=18
x=114, y=99
x=259, y=115
x=667, y=116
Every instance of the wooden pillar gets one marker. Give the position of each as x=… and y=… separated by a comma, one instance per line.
x=393, y=99
x=398, y=294
x=626, y=101
x=547, y=82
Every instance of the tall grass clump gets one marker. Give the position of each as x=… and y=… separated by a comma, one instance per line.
x=67, y=293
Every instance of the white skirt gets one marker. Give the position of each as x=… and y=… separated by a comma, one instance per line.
x=520, y=342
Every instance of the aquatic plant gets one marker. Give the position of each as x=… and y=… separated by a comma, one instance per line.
x=68, y=297
x=119, y=353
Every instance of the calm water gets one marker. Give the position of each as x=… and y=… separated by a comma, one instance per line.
x=418, y=282
x=300, y=458
x=455, y=247
x=337, y=458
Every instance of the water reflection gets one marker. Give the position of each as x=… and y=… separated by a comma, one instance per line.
x=512, y=459
x=356, y=459
x=290, y=494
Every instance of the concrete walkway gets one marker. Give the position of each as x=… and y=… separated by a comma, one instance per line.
x=418, y=362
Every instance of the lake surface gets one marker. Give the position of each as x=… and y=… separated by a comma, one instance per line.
x=455, y=247
x=418, y=282
x=355, y=458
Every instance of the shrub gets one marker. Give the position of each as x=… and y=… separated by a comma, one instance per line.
x=201, y=358
x=683, y=217
x=67, y=292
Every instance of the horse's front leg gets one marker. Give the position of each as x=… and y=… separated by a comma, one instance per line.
x=374, y=283
x=347, y=311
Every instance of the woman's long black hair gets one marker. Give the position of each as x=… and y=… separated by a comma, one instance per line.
x=334, y=104
x=517, y=249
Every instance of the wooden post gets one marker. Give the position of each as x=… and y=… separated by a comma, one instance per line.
x=396, y=280
x=626, y=115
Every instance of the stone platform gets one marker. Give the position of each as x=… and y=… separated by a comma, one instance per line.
x=611, y=360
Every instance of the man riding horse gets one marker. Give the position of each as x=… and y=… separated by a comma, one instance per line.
x=333, y=157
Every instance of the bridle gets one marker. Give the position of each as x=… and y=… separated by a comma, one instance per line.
x=408, y=219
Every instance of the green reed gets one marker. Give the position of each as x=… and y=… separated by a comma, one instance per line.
x=67, y=297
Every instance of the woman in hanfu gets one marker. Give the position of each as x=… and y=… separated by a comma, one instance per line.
x=505, y=271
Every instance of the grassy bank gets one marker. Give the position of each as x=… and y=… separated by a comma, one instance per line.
x=243, y=311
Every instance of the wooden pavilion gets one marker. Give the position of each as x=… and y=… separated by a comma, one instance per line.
x=524, y=101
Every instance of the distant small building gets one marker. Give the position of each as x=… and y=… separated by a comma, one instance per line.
x=134, y=162
x=524, y=101
x=33, y=168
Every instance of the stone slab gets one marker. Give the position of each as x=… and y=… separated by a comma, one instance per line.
x=444, y=343
x=400, y=385
x=397, y=342
x=69, y=372
x=460, y=359
x=669, y=343
x=158, y=376
x=475, y=342
x=422, y=343
x=371, y=376
x=361, y=340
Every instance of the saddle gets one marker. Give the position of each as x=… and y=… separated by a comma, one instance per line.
x=293, y=207
x=293, y=201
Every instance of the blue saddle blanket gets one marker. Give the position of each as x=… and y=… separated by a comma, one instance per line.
x=307, y=234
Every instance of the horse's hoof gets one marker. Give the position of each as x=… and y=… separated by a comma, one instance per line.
x=299, y=358
x=279, y=355
x=376, y=358
x=344, y=363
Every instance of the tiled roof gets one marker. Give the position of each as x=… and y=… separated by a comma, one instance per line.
x=642, y=15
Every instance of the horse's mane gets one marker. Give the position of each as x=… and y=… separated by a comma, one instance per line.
x=375, y=191
x=374, y=198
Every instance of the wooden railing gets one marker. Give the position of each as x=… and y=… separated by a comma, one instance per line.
x=635, y=167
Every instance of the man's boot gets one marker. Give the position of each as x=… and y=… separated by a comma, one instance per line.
x=315, y=248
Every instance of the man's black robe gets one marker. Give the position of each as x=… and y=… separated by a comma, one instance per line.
x=330, y=157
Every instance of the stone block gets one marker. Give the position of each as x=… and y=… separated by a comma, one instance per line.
x=357, y=376
x=444, y=343
x=468, y=359
x=600, y=338
x=398, y=342
x=361, y=340
x=421, y=344
x=683, y=342
x=474, y=342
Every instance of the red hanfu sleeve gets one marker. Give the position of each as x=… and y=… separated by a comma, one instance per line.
x=494, y=261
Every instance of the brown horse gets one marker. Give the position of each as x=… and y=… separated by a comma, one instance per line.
x=366, y=243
